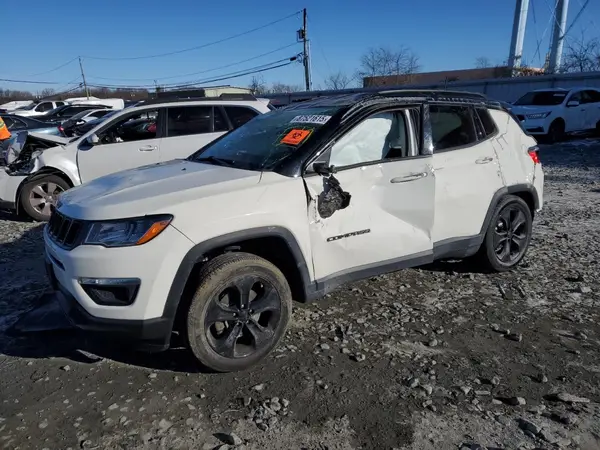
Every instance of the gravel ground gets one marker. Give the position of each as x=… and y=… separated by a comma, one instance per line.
x=440, y=357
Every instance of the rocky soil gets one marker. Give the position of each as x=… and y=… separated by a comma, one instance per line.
x=440, y=357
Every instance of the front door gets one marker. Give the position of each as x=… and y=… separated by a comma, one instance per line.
x=575, y=115
x=389, y=216
x=189, y=128
x=125, y=143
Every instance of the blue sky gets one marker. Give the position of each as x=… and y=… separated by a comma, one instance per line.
x=444, y=34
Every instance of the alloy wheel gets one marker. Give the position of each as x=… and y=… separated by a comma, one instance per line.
x=510, y=235
x=243, y=318
x=43, y=196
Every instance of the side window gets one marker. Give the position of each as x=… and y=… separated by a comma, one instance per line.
x=10, y=123
x=239, y=115
x=186, y=120
x=590, y=96
x=134, y=127
x=451, y=126
x=99, y=114
x=381, y=136
x=576, y=97
x=488, y=124
x=43, y=107
x=60, y=103
x=220, y=122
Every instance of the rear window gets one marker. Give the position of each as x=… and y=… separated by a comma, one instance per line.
x=268, y=138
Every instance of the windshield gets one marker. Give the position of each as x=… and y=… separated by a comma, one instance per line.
x=542, y=98
x=265, y=140
x=27, y=108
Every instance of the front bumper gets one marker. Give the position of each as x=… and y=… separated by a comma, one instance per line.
x=535, y=126
x=145, y=321
x=152, y=335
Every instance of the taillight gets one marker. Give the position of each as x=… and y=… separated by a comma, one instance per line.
x=533, y=153
x=61, y=129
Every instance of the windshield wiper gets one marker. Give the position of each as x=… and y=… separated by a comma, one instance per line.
x=216, y=160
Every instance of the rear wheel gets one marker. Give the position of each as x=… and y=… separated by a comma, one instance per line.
x=239, y=312
x=39, y=195
x=508, y=235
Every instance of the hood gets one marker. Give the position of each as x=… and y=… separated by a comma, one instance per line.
x=50, y=138
x=152, y=189
x=532, y=109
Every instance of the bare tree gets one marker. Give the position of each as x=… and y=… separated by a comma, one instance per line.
x=383, y=61
x=257, y=85
x=338, y=80
x=49, y=92
x=581, y=56
x=482, y=62
x=282, y=88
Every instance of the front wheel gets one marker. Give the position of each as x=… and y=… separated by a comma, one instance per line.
x=508, y=235
x=556, y=132
x=39, y=195
x=239, y=313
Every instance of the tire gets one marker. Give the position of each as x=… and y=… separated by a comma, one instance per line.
x=235, y=273
x=510, y=207
x=556, y=132
x=33, y=191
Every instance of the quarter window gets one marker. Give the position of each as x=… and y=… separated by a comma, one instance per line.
x=379, y=137
x=451, y=126
x=489, y=126
x=239, y=115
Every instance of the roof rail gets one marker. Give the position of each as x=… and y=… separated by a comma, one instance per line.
x=435, y=93
x=173, y=99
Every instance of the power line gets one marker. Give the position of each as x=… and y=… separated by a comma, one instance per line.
x=199, y=72
x=176, y=52
x=53, y=70
x=232, y=75
x=7, y=80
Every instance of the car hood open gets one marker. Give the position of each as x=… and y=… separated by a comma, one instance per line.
x=152, y=189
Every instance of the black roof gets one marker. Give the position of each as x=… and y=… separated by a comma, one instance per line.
x=408, y=95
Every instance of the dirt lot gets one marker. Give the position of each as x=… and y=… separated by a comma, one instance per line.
x=440, y=357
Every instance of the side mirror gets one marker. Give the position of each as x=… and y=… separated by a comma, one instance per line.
x=93, y=139
x=572, y=103
x=323, y=169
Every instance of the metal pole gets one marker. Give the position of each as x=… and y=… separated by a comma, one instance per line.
x=518, y=34
x=558, y=34
x=305, y=58
x=87, y=92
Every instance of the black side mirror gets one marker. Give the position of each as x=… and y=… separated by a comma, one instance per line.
x=323, y=169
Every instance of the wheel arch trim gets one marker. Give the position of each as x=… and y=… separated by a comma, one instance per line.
x=502, y=192
x=199, y=251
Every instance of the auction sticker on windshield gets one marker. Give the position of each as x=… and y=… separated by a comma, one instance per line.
x=295, y=137
x=315, y=118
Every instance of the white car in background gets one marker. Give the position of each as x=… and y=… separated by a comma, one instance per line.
x=39, y=167
x=553, y=113
x=37, y=108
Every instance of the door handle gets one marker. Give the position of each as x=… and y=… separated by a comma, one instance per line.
x=147, y=148
x=411, y=177
x=484, y=160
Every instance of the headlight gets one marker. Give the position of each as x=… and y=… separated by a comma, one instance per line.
x=126, y=232
x=538, y=115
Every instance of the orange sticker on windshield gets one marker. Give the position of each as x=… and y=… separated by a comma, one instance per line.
x=295, y=137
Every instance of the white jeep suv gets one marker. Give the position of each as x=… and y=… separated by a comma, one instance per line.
x=554, y=113
x=39, y=167
x=289, y=206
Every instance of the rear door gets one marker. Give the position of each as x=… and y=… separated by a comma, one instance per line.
x=389, y=216
x=592, y=109
x=467, y=172
x=575, y=116
x=189, y=128
x=126, y=142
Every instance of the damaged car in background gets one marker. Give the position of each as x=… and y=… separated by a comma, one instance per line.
x=36, y=168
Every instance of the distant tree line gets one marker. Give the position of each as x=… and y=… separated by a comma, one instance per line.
x=8, y=95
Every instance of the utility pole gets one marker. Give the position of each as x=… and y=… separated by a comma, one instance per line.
x=558, y=35
x=305, y=55
x=87, y=92
x=518, y=35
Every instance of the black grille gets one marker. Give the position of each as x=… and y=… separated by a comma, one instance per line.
x=64, y=230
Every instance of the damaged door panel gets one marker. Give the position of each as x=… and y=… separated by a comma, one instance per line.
x=380, y=210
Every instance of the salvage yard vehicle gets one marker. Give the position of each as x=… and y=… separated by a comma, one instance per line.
x=291, y=205
x=37, y=108
x=154, y=131
x=554, y=113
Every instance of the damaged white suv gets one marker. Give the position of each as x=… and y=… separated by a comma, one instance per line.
x=38, y=167
x=289, y=206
